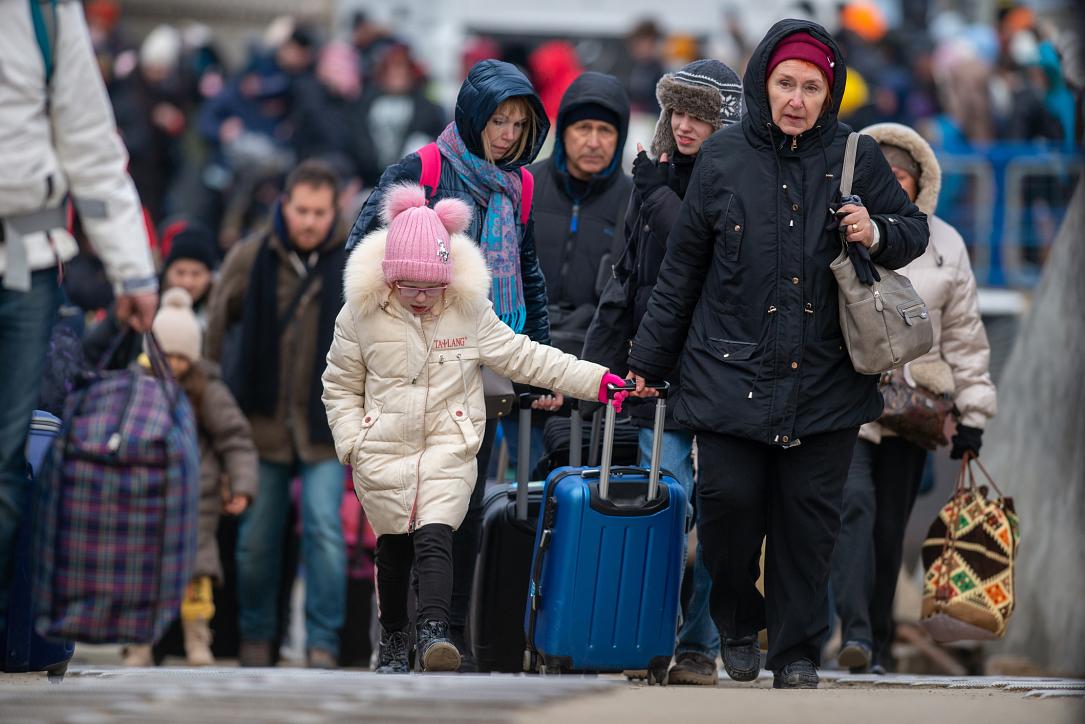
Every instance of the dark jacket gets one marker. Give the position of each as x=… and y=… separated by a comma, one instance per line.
x=745, y=294
x=578, y=224
x=487, y=85
x=284, y=436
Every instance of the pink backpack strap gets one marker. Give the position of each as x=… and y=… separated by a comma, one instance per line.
x=527, y=194
x=430, y=156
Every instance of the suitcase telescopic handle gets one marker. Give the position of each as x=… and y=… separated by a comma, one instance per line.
x=657, y=438
x=523, y=453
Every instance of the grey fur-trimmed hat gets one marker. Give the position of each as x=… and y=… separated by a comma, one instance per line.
x=706, y=89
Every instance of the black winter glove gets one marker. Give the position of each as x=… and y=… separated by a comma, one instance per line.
x=647, y=174
x=967, y=439
x=859, y=254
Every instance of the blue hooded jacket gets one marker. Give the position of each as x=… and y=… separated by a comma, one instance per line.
x=487, y=86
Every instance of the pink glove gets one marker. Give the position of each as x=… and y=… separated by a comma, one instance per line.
x=612, y=379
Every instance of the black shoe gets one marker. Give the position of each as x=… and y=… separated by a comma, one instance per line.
x=435, y=652
x=742, y=658
x=392, y=655
x=855, y=656
x=799, y=674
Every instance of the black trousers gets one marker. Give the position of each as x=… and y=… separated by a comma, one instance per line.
x=468, y=537
x=881, y=489
x=429, y=551
x=749, y=491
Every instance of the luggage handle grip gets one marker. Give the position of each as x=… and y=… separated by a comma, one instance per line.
x=657, y=439
x=523, y=458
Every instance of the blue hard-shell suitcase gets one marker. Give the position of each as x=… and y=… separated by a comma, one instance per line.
x=607, y=569
x=24, y=648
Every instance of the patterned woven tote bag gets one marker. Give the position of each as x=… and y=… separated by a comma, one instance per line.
x=968, y=557
x=118, y=507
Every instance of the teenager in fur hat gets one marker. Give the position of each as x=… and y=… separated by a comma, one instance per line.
x=696, y=101
x=226, y=447
x=886, y=469
x=403, y=392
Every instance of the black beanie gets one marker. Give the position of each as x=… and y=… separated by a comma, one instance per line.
x=192, y=241
x=591, y=111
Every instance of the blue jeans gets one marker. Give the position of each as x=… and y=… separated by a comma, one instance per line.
x=323, y=553
x=26, y=321
x=698, y=632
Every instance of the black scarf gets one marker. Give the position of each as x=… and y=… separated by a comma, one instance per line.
x=257, y=390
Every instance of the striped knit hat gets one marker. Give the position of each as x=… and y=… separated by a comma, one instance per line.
x=706, y=89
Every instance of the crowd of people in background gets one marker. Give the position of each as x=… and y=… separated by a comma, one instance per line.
x=285, y=151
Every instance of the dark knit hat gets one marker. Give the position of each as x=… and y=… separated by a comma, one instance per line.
x=707, y=90
x=591, y=111
x=189, y=240
x=803, y=46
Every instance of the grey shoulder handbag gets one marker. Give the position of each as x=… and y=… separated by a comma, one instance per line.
x=885, y=324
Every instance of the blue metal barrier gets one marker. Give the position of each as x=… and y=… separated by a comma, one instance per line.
x=1008, y=201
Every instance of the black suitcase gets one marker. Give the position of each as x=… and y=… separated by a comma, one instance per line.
x=557, y=435
x=499, y=592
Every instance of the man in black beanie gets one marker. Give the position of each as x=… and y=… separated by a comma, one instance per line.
x=581, y=193
x=580, y=197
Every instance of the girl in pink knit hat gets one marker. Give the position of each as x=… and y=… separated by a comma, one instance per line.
x=403, y=390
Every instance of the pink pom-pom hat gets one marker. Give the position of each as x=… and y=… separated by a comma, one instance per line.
x=419, y=246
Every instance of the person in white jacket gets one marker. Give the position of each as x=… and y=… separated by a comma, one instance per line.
x=886, y=470
x=403, y=391
x=58, y=140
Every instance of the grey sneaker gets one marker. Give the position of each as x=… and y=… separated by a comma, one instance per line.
x=693, y=669
x=799, y=674
x=255, y=653
x=742, y=658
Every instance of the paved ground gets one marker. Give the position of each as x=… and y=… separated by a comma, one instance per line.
x=94, y=694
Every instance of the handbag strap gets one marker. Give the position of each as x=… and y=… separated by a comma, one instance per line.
x=847, y=173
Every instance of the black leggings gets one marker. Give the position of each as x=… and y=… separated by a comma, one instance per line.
x=429, y=550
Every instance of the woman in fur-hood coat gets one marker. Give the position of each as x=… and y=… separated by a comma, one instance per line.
x=404, y=392
x=886, y=470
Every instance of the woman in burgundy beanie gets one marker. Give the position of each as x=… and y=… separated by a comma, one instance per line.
x=746, y=304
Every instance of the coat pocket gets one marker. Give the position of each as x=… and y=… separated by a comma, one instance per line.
x=462, y=420
x=730, y=350
x=734, y=226
x=369, y=421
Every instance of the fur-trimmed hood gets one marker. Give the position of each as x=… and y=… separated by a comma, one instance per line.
x=365, y=289
x=707, y=90
x=930, y=173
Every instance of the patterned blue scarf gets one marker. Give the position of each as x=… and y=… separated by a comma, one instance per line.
x=499, y=193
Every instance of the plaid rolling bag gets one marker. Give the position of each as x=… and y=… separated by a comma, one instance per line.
x=119, y=499
x=968, y=557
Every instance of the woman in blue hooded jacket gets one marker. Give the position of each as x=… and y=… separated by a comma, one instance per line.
x=499, y=127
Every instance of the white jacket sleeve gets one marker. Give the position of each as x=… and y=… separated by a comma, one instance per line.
x=344, y=386
x=965, y=348
x=93, y=158
x=522, y=360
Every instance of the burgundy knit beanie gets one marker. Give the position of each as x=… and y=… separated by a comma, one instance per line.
x=419, y=242
x=803, y=46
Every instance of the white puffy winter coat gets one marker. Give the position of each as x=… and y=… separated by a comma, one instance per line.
x=404, y=394
x=957, y=363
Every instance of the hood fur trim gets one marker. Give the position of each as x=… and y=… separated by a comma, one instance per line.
x=930, y=173
x=701, y=102
x=363, y=279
